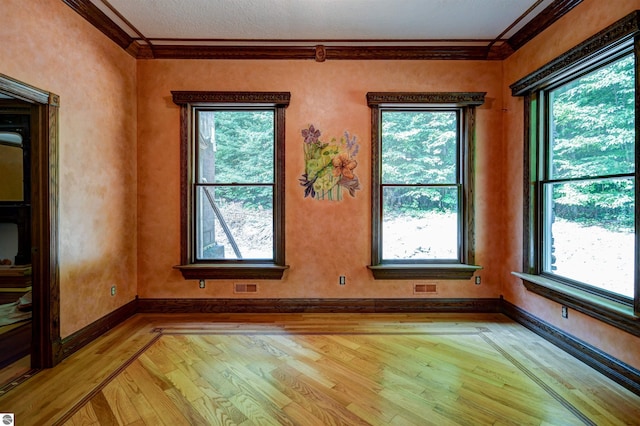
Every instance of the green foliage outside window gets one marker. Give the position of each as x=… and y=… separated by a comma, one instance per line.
x=593, y=135
x=420, y=147
x=238, y=147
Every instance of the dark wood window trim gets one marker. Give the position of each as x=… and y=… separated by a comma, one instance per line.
x=405, y=271
x=409, y=270
x=613, y=38
x=229, y=269
x=610, y=311
x=618, y=37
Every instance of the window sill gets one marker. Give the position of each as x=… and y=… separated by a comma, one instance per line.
x=614, y=313
x=210, y=271
x=410, y=271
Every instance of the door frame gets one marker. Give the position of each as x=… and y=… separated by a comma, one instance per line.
x=45, y=347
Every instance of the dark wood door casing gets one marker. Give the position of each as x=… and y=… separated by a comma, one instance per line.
x=44, y=218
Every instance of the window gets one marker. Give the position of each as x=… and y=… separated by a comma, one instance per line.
x=581, y=173
x=422, y=184
x=232, y=184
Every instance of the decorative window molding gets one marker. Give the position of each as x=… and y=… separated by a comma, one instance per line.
x=197, y=266
x=460, y=185
x=612, y=44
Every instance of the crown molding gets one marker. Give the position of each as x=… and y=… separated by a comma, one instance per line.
x=615, y=36
x=320, y=53
x=98, y=19
x=542, y=21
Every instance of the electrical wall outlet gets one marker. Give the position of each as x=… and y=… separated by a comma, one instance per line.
x=201, y=284
x=478, y=280
x=342, y=280
x=113, y=290
x=565, y=312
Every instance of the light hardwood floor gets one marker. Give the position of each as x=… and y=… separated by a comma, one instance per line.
x=320, y=369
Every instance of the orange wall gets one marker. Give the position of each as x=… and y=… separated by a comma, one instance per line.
x=46, y=44
x=323, y=239
x=585, y=20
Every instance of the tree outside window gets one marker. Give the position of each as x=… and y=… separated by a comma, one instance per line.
x=422, y=184
x=232, y=161
x=581, y=248
x=588, y=179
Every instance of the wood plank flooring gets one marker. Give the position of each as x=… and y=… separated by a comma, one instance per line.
x=15, y=370
x=321, y=369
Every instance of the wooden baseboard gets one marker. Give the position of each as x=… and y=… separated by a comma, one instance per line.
x=611, y=367
x=317, y=305
x=86, y=335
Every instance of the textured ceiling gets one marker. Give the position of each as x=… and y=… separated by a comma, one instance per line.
x=356, y=21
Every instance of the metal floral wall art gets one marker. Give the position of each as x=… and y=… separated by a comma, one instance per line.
x=329, y=167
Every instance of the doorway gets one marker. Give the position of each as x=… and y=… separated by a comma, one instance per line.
x=34, y=218
x=15, y=237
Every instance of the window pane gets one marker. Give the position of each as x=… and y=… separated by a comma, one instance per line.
x=593, y=127
x=420, y=223
x=234, y=222
x=236, y=146
x=590, y=227
x=419, y=147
